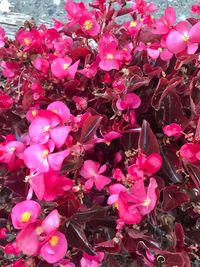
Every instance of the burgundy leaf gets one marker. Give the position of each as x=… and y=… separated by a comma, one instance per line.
x=89, y=128
x=171, y=164
x=173, y=197
x=179, y=237
x=68, y=204
x=147, y=140
x=76, y=238
x=109, y=246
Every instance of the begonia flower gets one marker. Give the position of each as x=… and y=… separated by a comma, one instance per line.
x=92, y=171
x=190, y=152
x=164, y=24
x=39, y=158
x=92, y=261
x=89, y=25
x=41, y=64
x=184, y=37
x=41, y=130
x=25, y=212
x=144, y=200
x=55, y=248
x=114, y=191
x=130, y=100
x=172, y=129
x=60, y=109
x=62, y=68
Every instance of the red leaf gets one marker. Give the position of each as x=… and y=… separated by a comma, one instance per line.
x=68, y=205
x=77, y=238
x=173, y=197
x=147, y=140
x=89, y=128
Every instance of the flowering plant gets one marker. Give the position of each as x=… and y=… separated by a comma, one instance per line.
x=100, y=139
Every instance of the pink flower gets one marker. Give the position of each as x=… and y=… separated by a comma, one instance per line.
x=25, y=212
x=60, y=109
x=190, y=152
x=114, y=191
x=130, y=100
x=92, y=173
x=55, y=248
x=132, y=27
x=3, y=232
x=90, y=70
x=144, y=8
x=150, y=164
x=129, y=216
x=42, y=129
x=38, y=158
x=184, y=37
x=196, y=8
x=5, y=100
x=165, y=23
x=10, y=69
x=41, y=64
x=62, y=68
x=109, y=55
x=89, y=25
x=172, y=129
x=9, y=151
x=92, y=261
x=49, y=186
x=144, y=201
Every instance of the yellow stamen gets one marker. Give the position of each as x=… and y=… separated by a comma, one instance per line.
x=46, y=128
x=116, y=205
x=133, y=24
x=12, y=149
x=185, y=37
x=160, y=49
x=146, y=202
x=25, y=216
x=88, y=24
x=54, y=240
x=66, y=66
x=109, y=56
x=27, y=41
x=45, y=153
x=34, y=113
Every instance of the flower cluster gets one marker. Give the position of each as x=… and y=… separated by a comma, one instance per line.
x=100, y=139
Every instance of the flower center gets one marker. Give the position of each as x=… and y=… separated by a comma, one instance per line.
x=147, y=202
x=54, y=240
x=34, y=113
x=65, y=66
x=46, y=128
x=109, y=56
x=88, y=24
x=25, y=216
x=27, y=41
x=45, y=153
x=133, y=24
x=11, y=149
x=185, y=37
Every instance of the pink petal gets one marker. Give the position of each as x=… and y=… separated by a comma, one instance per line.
x=175, y=42
x=170, y=15
x=192, y=48
x=90, y=169
x=89, y=184
x=73, y=69
x=37, y=183
x=59, y=135
x=56, y=159
x=37, y=131
x=194, y=35
x=61, y=109
x=153, y=53
x=51, y=222
x=101, y=181
x=107, y=64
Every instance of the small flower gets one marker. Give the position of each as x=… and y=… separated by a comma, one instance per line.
x=25, y=212
x=62, y=68
x=92, y=171
x=41, y=64
x=130, y=100
x=172, y=129
x=89, y=25
x=184, y=37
